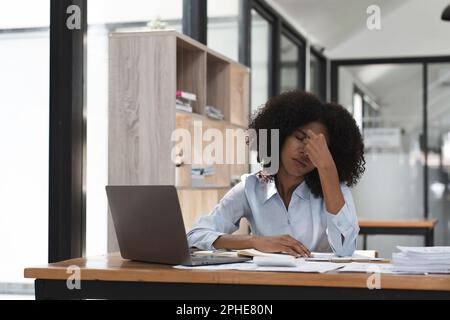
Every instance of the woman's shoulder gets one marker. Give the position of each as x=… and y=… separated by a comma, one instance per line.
x=251, y=180
x=250, y=183
x=244, y=190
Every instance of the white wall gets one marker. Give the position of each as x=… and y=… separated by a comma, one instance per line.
x=391, y=188
x=387, y=188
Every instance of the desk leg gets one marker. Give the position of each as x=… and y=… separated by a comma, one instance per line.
x=365, y=242
x=429, y=238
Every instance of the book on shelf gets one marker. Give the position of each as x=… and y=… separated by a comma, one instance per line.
x=186, y=95
x=198, y=175
x=183, y=106
x=203, y=171
x=184, y=100
x=214, y=113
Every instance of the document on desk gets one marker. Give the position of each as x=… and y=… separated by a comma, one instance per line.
x=331, y=257
x=301, y=266
x=367, y=267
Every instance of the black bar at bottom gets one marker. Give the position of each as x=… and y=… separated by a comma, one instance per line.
x=94, y=289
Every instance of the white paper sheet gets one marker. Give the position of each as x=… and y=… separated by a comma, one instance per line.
x=302, y=266
x=367, y=267
x=331, y=257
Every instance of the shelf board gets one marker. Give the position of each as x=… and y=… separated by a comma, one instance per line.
x=198, y=116
x=190, y=114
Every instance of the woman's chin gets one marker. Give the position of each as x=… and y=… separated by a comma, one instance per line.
x=299, y=172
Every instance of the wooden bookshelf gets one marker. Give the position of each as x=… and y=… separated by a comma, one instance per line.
x=145, y=70
x=239, y=96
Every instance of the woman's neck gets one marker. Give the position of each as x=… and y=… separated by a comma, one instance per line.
x=286, y=184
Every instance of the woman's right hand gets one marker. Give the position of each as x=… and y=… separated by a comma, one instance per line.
x=284, y=243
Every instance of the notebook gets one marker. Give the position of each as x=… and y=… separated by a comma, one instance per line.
x=316, y=256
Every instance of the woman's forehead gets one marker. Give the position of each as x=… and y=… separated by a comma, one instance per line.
x=316, y=127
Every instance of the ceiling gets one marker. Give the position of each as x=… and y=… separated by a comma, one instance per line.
x=330, y=22
x=380, y=79
x=408, y=27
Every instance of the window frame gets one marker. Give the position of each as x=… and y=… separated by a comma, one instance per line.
x=322, y=65
x=424, y=61
x=301, y=55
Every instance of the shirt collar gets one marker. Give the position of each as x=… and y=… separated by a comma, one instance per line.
x=270, y=190
x=301, y=191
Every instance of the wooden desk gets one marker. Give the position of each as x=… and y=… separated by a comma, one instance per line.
x=398, y=227
x=111, y=277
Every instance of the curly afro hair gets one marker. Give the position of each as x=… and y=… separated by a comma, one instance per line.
x=293, y=109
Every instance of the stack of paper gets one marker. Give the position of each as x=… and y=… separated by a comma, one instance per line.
x=422, y=260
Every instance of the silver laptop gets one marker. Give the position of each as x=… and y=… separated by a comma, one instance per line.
x=149, y=226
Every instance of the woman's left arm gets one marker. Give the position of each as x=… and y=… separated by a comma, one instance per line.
x=342, y=222
x=317, y=151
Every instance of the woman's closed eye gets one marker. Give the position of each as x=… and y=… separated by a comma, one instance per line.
x=301, y=138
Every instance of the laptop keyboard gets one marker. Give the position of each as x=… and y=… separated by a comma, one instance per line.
x=209, y=258
x=203, y=260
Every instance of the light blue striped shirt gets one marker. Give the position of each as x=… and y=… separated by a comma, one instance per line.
x=306, y=218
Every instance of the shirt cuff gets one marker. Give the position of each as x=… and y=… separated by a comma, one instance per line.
x=341, y=221
x=211, y=238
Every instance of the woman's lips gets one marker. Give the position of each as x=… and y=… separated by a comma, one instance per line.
x=302, y=163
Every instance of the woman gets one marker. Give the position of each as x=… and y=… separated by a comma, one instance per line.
x=307, y=204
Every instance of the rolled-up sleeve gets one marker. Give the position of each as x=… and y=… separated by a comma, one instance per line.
x=224, y=219
x=343, y=228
